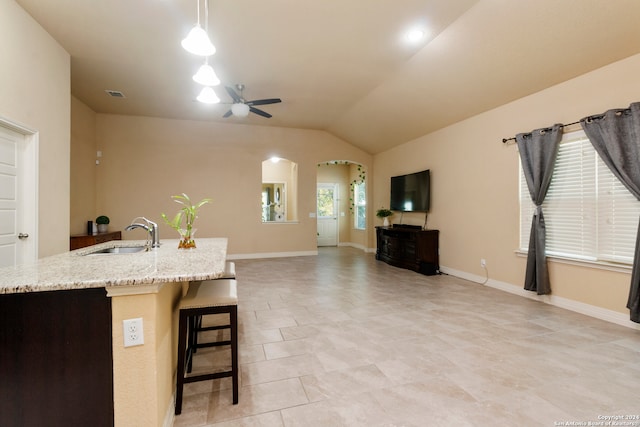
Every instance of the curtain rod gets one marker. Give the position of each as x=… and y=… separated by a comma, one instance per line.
x=589, y=118
x=618, y=112
x=505, y=140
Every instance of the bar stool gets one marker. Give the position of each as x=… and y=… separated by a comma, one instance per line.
x=219, y=296
x=229, y=273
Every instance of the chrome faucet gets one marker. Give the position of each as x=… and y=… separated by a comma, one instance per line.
x=150, y=226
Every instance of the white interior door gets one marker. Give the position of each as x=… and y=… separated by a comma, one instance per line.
x=17, y=198
x=327, y=214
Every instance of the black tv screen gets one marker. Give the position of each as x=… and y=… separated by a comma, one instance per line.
x=411, y=192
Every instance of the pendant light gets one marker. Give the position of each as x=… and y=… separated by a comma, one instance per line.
x=197, y=41
x=205, y=75
x=208, y=96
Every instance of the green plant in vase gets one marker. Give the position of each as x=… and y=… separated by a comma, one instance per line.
x=384, y=214
x=187, y=215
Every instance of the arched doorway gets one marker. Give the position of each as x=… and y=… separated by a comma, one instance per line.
x=341, y=203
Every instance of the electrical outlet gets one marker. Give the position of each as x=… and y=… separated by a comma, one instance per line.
x=133, y=332
x=483, y=263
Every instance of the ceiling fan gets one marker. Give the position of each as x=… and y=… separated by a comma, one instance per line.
x=241, y=107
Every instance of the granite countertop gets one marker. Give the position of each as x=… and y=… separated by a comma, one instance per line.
x=78, y=270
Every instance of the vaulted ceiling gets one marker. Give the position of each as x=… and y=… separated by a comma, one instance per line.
x=338, y=65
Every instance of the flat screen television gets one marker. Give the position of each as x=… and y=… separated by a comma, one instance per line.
x=411, y=192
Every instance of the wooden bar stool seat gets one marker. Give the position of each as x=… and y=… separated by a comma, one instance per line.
x=218, y=296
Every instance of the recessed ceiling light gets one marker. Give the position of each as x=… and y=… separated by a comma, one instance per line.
x=414, y=35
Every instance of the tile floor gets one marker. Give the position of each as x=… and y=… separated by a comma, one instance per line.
x=344, y=340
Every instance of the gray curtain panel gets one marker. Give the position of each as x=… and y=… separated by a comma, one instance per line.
x=616, y=137
x=538, y=152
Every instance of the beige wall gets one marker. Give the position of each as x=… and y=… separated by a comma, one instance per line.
x=83, y=166
x=144, y=375
x=475, y=183
x=35, y=93
x=146, y=160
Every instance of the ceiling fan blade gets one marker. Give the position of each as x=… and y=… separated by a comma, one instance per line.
x=227, y=114
x=264, y=101
x=232, y=93
x=260, y=112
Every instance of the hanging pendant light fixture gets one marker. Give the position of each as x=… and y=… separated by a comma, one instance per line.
x=205, y=75
x=208, y=96
x=197, y=41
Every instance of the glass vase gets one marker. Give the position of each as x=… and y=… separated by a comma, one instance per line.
x=186, y=239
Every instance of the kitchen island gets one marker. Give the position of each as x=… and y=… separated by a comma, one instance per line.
x=62, y=356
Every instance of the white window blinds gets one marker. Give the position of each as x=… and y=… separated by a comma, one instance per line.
x=588, y=213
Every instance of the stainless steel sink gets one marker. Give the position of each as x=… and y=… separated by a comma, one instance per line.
x=119, y=250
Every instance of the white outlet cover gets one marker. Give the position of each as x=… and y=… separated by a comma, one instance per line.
x=133, y=332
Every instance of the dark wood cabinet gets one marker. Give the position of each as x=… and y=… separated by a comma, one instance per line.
x=56, y=363
x=407, y=247
x=84, y=240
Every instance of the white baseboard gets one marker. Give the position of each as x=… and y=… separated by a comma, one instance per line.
x=169, y=416
x=576, y=306
x=354, y=245
x=271, y=255
x=292, y=254
x=359, y=246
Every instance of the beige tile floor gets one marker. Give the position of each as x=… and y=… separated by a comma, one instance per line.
x=343, y=340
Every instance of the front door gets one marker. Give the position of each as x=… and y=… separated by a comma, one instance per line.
x=17, y=199
x=327, y=214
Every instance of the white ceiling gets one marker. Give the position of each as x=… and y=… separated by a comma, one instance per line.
x=338, y=65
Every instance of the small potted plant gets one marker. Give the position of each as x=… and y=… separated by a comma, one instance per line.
x=188, y=212
x=384, y=214
x=103, y=223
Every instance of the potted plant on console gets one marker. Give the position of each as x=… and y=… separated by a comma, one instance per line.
x=384, y=214
x=103, y=223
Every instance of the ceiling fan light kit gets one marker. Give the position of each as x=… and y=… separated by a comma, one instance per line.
x=240, y=110
x=241, y=107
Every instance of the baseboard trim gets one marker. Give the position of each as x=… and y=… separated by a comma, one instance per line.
x=359, y=246
x=271, y=255
x=575, y=306
x=293, y=254
x=170, y=416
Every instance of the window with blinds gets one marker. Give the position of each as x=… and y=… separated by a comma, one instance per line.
x=588, y=213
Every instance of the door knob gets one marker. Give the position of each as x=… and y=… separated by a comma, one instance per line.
x=22, y=236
